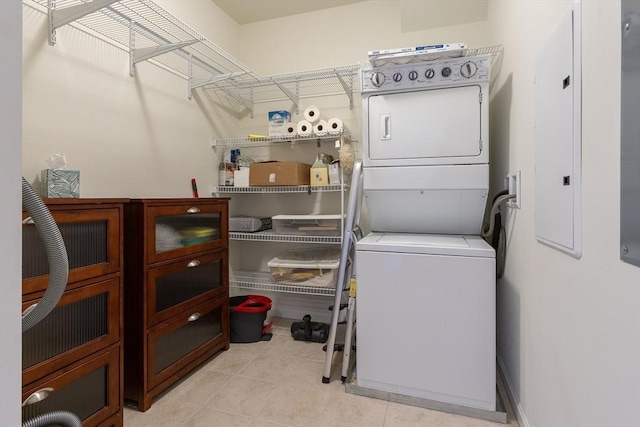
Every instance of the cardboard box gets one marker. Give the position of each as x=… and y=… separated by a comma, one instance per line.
x=61, y=183
x=277, y=120
x=279, y=173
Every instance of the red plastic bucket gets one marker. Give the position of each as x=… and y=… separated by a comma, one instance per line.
x=247, y=314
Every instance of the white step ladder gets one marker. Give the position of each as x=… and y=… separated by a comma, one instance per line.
x=346, y=279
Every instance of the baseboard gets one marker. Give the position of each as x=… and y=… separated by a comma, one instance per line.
x=509, y=389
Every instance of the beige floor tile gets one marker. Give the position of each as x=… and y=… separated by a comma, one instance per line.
x=295, y=406
x=209, y=417
x=284, y=344
x=165, y=412
x=348, y=410
x=410, y=416
x=261, y=423
x=315, y=352
x=270, y=367
x=308, y=373
x=242, y=395
x=200, y=386
x=233, y=360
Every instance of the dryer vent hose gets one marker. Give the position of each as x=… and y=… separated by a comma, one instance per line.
x=56, y=254
x=58, y=275
x=56, y=418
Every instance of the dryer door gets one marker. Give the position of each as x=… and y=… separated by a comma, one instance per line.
x=436, y=126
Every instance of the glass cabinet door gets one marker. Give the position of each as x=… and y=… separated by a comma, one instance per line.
x=182, y=230
x=92, y=240
x=175, y=345
x=89, y=389
x=173, y=288
x=85, y=320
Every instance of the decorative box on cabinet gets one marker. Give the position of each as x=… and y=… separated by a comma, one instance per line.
x=176, y=290
x=71, y=360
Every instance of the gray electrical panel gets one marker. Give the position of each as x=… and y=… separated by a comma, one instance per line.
x=630, y=134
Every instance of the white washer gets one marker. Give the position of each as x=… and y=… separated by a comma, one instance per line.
x=426, y=317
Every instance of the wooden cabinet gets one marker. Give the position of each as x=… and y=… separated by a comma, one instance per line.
x=73, y=357
x=176, y=290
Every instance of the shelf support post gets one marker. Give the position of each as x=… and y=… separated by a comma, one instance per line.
x=190, y=70
x=58, y=18
x=139, y=55
x=346, y=87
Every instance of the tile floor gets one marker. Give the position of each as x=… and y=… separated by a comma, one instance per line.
x=278, y=383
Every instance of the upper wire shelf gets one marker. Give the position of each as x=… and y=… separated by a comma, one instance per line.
x=148, y=32
x=342, y=80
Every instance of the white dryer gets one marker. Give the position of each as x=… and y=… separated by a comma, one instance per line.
x=426, y=153
x=426, y=280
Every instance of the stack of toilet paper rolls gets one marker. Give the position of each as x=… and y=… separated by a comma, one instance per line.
x=313, y=125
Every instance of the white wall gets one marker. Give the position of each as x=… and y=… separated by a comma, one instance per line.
x=129, y=137
x=10, y=211
x=568, y=329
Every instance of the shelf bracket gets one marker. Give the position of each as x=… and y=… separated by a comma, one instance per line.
x=292, y=96
x=58, y=18
x=139, y=55
x=347, y=88
x=238, y=98
x=213, y=80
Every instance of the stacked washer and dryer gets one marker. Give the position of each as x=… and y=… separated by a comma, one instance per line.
x=426, y=279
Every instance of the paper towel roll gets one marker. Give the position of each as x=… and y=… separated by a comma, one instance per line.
x=290, y=128
x=335, y=125
x=304, y=127
x=312, y=114
x=321, y=128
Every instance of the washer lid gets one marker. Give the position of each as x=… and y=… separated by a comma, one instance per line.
x=429, y=244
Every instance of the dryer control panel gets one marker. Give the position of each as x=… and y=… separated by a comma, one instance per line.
x=438, y=73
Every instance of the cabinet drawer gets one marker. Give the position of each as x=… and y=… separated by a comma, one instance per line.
x=182, y=230
x=90, y=389
x=85, y=320
x=174, y=345
x=92, y=240
x=176, y=287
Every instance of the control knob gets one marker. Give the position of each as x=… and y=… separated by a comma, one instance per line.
x=468, y=69
x=377, y=79
x=446, y=72
x=413, y=75
x=397, y=77
x=429, y=73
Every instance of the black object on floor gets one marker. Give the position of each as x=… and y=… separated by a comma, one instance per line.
x=247, y=314
x=309, y=331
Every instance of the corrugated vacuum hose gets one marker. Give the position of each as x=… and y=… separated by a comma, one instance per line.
x=56, y=418
x=58, y=275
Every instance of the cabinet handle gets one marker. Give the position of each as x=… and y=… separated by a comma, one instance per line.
x=193, y=263
x=193, y=210
x=194, y=317
x=38, y=396
x=29, y=309
x=27, y=220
